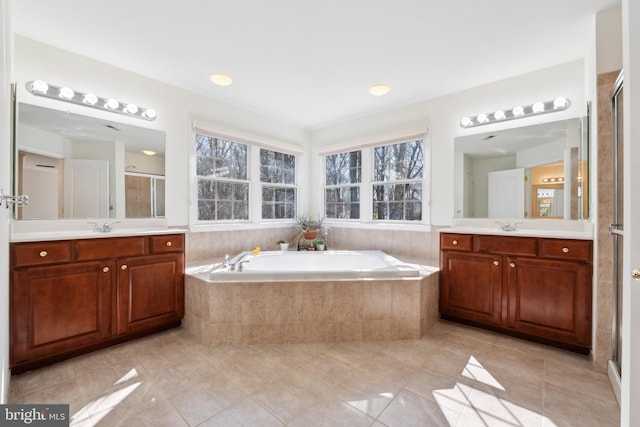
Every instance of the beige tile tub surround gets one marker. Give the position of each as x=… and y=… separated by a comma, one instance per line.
x=305, y=312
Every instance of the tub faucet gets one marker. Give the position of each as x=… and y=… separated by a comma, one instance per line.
x=237, y=266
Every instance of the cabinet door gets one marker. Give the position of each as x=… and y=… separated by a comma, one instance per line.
x=57, y=309
x=150, y=291
x=471, y=286
x=550, y=299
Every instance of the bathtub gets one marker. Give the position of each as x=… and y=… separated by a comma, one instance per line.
x=303, y=297
x=313, y=265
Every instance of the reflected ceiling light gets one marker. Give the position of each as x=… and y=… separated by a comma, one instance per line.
x=518, y=112
x=88, y=99
x=379, y=89
x=221, y=79
x=149, y=152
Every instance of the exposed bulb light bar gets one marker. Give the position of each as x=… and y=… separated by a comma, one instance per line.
x=558, y=104
x=41, y=88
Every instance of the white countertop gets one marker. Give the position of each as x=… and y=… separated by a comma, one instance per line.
x=42, y=230
x=557, y=229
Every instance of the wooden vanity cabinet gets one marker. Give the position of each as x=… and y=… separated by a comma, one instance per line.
x=535, y=288
x=73, y=296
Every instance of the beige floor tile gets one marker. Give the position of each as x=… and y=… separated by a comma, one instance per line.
x=331, y=414
x=409, y=409
x=454, y=376
x=243, y=414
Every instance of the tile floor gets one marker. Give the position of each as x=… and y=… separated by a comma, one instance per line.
x=454, y=376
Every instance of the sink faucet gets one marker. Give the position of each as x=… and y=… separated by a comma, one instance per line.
x=104, y=228
x=505, y=226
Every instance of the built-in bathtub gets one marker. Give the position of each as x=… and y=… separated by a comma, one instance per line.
x=297, y=297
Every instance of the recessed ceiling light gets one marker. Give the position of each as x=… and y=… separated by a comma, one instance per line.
x=221, y=79
x=149, y=152
x=379, y=89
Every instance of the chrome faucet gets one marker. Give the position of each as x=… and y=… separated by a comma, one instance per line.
x=505, y=226
x=237, y=266
x=104, y=228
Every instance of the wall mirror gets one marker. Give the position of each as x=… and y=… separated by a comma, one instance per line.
x=534, y=172
x=74, y=166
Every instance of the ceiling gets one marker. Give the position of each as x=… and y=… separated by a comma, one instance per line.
x=310, y=64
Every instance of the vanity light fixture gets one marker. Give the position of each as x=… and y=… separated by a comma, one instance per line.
x=555, y=180
x=41, y=88
x=558, y=104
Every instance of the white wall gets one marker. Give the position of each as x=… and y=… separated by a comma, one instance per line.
x=5, y=154
x=176, y=109
x=442, y=116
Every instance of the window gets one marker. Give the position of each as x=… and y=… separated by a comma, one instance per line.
x=397, y=181
x=277, y=176
x=222, y=179
x=343, y=174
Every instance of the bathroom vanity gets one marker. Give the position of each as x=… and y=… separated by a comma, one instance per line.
x=539, y=288
x=72, y=296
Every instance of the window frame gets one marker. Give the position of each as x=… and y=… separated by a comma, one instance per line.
x=367, y=146
x=254, y=144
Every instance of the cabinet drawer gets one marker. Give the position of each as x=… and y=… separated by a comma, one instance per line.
x=458, y=242
x=40, y=253
x=523, y=246
x=169, y=243
x=566, y=249
x=109, y=248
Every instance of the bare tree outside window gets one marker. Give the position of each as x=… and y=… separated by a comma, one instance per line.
x=221, y=173
x=277, y=175
x=397, y=187
x=342, y=189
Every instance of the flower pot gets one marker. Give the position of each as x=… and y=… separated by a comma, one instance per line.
x=310, y=235
x=320, y=246
x=284, y=246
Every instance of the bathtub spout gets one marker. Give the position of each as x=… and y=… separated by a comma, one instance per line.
x=237, y=266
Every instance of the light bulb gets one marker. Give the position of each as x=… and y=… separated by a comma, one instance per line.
x=518, y=111
x=131, y=109
x=466, y=122
x=149, y=114
x=538, y=107
x=560, y=103
x=499, y=115
x=66, y=93
x=90, y=99
x=482, y=118
x=112, y=104
x=39, y=86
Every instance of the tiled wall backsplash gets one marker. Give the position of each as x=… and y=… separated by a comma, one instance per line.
x=415, y=245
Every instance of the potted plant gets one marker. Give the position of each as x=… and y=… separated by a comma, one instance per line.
x=320, y=245
x=284, y=245
x=309, y=226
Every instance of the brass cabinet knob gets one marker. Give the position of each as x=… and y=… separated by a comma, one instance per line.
x=455, y=242
x=123, y=267
x=512, y=264
x=106, y=269
x=496, y=263
x=565, y=250
x=636, y=273
x=168, y=243
x=44, y=253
